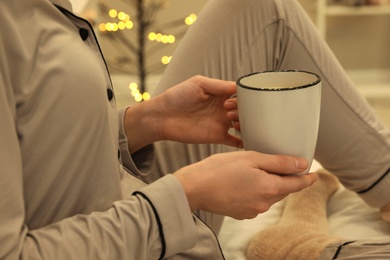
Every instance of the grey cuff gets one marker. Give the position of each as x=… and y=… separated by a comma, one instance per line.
x=139, y=163
x=177, y=228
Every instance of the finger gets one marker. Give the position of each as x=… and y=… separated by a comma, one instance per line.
x=232, y=115
x=230, y=104
x=291, y=184
x=279, y=164
x=217, y=87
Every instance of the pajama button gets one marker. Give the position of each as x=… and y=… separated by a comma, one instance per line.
x=83, y=33
x=110, y=94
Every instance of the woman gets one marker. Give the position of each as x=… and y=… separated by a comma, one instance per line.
x=71, y=165
x=81, y=203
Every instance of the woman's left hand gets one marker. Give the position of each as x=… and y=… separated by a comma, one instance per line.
x=199, y=110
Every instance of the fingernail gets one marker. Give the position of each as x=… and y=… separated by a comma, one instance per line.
x=301, y=163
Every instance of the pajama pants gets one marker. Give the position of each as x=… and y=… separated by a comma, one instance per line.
x=357, y=250
x=232, y=38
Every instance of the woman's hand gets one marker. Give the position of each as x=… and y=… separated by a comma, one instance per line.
x=242, y=184
x=231, y=106
x=193, y=111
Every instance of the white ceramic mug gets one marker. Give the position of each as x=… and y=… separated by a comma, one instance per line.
x=279, y=112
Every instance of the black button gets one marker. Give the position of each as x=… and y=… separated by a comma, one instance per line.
x=110, y=94
x=83, y=33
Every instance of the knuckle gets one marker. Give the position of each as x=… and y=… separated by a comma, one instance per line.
x=270, y=193
x=249, y=214
x=262, y=207
x=284, y=163
x=197, y=78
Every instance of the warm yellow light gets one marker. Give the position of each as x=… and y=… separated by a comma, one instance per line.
x=145, y=96
x=133, y=86
x=166, y=59
x=134, y=92
x=129, y=24
x=171, y=39
x=138, y=97
x=126, y=17
x=190, y=19
x=121, y=25
x=152, y=36
x=102, y=27
x=159, y=37
x=121, y=16
x=108, y=26
x=164, y=39
x=112, y=13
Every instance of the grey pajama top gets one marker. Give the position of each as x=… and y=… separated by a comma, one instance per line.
x=68, y=185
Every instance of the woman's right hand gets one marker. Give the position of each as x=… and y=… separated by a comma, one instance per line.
x=242, y=184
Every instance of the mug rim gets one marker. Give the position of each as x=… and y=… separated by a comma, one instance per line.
x=238, y=81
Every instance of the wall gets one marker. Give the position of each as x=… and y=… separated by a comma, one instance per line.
x=359, y=42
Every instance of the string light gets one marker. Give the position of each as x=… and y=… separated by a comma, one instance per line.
x=113, y=13
x=129, y=24
x=102, y=27
x=189, y=20
x=145, y=96
x=123, y=22
x=138, y=96
x=163, y=38
x=166, y=59
x=133, y=86
x=121, y=25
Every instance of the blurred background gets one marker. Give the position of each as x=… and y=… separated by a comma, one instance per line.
x=138, y=38
x=358, y=33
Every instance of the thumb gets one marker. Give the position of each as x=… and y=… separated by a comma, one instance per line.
x=218, y=87
x=281, y=164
